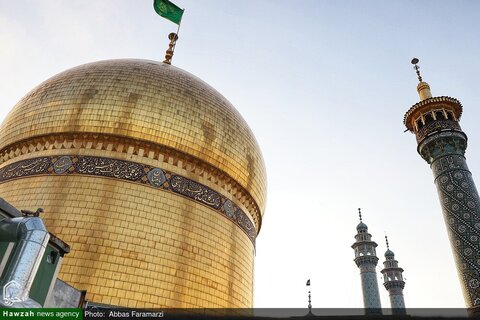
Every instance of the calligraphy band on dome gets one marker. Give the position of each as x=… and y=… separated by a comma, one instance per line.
x=133, y=172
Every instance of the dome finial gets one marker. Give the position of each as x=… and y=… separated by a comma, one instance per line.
x=386, y=240
x=173, y=37
x=423, y=88
x=360, y=214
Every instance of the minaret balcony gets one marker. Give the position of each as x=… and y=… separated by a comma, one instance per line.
x=430, y=110
x=394, y=284
x=363, y=260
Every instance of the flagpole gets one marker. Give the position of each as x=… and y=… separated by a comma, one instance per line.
x=178, y=31
x=309, y=303
x=309, y=300
x=173, y=37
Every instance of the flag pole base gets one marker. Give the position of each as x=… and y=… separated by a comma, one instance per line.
x=173, y=37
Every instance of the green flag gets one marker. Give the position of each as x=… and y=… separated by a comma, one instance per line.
x=168, y=10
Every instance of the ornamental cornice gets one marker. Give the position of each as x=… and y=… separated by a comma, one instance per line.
x=363, y=260
x=433, y=100
x=385, y=270
x=394, y=284
x=364, y=242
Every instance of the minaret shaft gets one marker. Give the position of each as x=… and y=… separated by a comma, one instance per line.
x=371, y=294
x=459, y=200
x=397, y=302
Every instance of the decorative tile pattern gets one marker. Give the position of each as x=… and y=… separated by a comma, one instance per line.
x=460, y=204
x=397, y=302
x=442, y=144
x=134, y=172
x=449, y=163
x=371, y=296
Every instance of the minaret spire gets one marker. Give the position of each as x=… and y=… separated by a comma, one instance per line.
x=423, y=88
x=393, y=281
x=442, y=144
x=417, y=69
x=366, y=260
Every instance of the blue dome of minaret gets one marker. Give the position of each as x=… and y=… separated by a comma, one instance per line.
x=389, y=253
x=362, y=226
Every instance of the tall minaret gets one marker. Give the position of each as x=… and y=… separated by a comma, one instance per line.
x=366, y=260
x=393, y=281
x=442, y=143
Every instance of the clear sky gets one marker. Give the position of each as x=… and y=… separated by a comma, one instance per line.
x=324, y=85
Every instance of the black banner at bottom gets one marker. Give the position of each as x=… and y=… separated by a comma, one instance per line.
x=276, y=313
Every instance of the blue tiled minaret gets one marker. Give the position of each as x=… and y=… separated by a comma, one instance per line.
x=442, y=144
x=366, y=260
x=393, y=281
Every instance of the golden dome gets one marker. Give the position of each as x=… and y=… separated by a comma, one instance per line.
x=149, y=174
x=149, y=102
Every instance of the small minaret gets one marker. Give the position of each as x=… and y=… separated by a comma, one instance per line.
x=366, y=260
x=435, y=121
x=393, y=281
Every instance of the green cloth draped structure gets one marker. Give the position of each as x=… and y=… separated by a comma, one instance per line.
x=168, y=10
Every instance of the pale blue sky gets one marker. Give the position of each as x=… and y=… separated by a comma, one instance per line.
x=324, y=86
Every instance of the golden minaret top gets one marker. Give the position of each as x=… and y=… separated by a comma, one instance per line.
x=423, y=88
